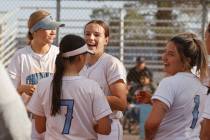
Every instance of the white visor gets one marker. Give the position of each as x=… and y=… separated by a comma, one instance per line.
x=81, y=50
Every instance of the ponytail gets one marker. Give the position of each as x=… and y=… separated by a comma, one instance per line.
x=201, y=59
x=57, y=84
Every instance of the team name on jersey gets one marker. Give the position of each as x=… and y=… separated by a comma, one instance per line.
x=34, y=78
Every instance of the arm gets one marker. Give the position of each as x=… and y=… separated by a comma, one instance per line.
x=205, y=127
x=118, y=99
x=40, y=123
x=154, y=119
x=103, y=126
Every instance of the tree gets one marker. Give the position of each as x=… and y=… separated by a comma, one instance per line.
x=149, y=23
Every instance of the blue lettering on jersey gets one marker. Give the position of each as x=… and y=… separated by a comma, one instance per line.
x=34, y=78
x=195, y=111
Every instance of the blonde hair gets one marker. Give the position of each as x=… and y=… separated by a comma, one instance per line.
x=192, y=52
x=33, y=19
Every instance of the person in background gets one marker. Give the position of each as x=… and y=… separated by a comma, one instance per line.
x=15, y=124
x=66, y=105
x=109, y=72
x=37, y=60
x=178, y=101
x=139, y=78
x=137, y=73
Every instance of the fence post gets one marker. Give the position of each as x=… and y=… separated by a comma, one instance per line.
x=122, y=15
x=1, y=30
x=204, y=16
x=58, y=10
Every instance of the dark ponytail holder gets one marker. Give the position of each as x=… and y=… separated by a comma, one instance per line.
x=208, y=91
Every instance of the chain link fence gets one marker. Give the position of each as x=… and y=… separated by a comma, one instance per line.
x=138, y=28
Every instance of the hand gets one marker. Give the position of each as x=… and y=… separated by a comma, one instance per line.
x=27, y=89
x=144, y=97
x=95, y=127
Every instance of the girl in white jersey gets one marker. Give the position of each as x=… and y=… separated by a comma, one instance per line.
x=68, y=106
x=108, y=71
x=37, y=60
x=176, y=108
x=205, y=135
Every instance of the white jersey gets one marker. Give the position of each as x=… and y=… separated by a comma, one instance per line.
x=28, y=67
x=14, y=120
x=182, y=93
x=106, y=71
x=206, y=112
x=82, y=103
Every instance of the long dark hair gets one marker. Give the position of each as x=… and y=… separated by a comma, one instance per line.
x=68, y=43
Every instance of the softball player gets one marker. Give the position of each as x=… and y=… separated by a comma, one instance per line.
x=37, y=60
x=177, y=102
x=205, y=135
x=108, y=71
x=69, y=106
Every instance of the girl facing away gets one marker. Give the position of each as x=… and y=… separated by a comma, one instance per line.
x=69, y=106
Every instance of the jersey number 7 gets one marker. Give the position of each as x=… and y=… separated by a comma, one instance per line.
x=69, y=103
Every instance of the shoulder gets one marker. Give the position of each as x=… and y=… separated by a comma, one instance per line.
x=89, y=84
x=46, y=80
x=21, y=54
x=86, y=81
x=181, y=80
x=24, y=50
x=55, y=48
x=110, y=58
x=112, y=61
x=44, y=83
x=169, y=81
x=174, y=78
